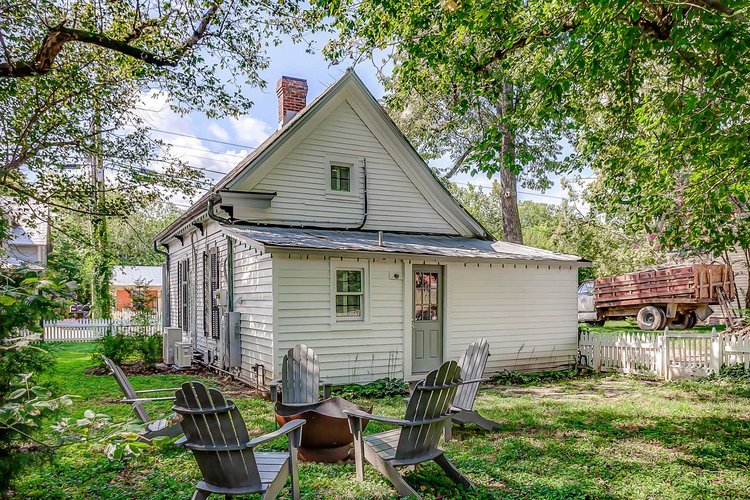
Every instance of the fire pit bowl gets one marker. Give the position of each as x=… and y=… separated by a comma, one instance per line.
x=326, y=436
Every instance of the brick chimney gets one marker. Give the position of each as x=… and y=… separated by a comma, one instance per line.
x=292, y=93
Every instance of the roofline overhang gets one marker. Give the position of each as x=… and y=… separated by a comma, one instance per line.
x=385, y=254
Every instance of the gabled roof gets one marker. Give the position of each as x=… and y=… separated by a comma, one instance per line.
x=267, y=239
x=255, y=159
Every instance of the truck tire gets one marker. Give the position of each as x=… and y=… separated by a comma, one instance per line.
x=651, y=318
x=692, y=319
x=681, y=321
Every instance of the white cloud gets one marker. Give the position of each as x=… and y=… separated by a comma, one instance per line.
x=218, y=131
x=250, y=131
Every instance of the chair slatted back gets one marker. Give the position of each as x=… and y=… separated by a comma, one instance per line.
x=432, y=398
x=473, y=362
x=300, y=376
x=127, y=389
x=216, y=433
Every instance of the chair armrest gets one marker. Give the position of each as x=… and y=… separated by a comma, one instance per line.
x=363, y=415
x=150, y=391
x=483, y=379
x=284, y=430
x=146, y=400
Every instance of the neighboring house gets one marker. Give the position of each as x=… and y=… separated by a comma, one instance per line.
x=28, y=242
x=335, y=233
x=125, y=278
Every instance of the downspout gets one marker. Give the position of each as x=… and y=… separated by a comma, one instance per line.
x=166, y=309
x=212, y=215
x=364, y=185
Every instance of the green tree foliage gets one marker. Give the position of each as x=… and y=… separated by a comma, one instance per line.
x=25, y=300
x=562, y=228
x=129, y=244
x=73, y=73
x=653, y=94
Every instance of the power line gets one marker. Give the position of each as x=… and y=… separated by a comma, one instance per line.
x=244, y=146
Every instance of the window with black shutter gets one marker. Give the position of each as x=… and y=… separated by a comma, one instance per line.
x=179, y=294
x=185, y=292
x=214, y=263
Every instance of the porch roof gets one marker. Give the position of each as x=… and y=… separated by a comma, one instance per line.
x=395, y=243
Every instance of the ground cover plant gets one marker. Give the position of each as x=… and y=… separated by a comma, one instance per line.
x=585, y=437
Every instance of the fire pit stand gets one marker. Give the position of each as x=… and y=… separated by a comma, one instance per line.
x=326, y=436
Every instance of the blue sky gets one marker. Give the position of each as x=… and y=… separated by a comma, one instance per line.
x=194, y=137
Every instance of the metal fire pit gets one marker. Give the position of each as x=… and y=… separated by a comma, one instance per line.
x=326, y=436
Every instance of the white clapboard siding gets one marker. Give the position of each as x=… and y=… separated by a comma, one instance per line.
x=348, y=351
x=300, y=181
x=193, y=248
x=253, y=298
x=527, y=313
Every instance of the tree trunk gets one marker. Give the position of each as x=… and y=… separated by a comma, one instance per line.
x=508, y=179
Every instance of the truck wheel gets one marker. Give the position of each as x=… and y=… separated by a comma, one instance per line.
x=651, y=318
x=692, y=319
x=680, y=322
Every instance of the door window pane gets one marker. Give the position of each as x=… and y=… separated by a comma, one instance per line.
x=426, y=296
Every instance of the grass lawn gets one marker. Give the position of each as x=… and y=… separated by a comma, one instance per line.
x=631, y=326
x=594, y=437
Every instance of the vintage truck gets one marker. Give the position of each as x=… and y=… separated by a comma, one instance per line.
x=672, y=296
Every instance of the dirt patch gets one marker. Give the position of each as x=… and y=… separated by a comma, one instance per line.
x=139, y=368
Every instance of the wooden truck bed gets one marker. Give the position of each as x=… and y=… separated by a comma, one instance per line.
x=689, y=284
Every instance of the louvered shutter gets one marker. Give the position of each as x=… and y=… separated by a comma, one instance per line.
x=214, y=263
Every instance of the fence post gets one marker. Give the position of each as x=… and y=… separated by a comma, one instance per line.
x=596, y=354
x=666, y=354
x=716, y=351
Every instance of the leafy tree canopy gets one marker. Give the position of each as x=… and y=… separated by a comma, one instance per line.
x=653, y=95
x=73, y=73
x=563, y=228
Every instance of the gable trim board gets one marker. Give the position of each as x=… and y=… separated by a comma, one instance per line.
x=349, y=89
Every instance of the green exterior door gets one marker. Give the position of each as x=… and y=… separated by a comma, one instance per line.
x=427, y=329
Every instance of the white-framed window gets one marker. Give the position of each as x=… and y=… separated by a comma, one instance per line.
x=349, y=291
x=341, y=177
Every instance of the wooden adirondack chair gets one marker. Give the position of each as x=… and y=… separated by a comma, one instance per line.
x=154, y=428
x=217, y=435
x=300, y=378
x=472, y=363
x=416, y=439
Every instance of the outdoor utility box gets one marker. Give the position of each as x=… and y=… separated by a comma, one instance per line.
x=230, y=330
x=183, y=354
x=170, y=337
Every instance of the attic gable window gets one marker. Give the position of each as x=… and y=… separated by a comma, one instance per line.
x=340, y=178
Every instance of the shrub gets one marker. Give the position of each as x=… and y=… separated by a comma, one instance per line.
x=116, y=347
x=735, y=372
x=381, y=388
x=507, y=377
x=148, y=348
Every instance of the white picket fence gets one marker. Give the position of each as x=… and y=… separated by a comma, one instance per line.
x=667, y=355
x=86, y=330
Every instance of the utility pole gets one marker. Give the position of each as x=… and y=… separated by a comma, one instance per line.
x=101, y=271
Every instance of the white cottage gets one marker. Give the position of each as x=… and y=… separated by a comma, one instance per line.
x=336, y=234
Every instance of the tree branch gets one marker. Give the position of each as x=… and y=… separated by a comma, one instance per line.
x=58, y=36
x=501, y=54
